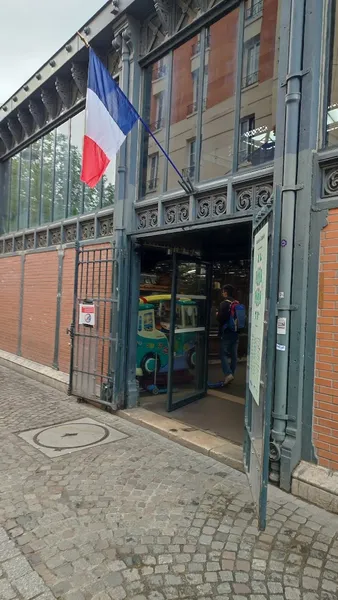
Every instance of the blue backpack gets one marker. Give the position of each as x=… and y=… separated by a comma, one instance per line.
x=237, y=319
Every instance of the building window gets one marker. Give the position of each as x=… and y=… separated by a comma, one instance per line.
x=153, y=171
x=246, y=126
x=253, y=9
x=190, y=170
x=251, y=62
x=331, y=125
x=45, y=183
x=158, y=123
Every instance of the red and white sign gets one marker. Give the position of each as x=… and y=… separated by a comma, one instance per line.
x=87, y=314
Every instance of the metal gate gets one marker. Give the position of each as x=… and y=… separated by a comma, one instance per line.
x=262, y=344
x=93, y=331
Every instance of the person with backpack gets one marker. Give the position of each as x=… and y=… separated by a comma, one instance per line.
x=231, y=318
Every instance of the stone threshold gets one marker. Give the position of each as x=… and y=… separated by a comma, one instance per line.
x=55, y=379
x=196, y=439
x=317, y=485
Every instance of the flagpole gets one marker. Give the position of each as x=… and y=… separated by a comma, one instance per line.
x=185, y=183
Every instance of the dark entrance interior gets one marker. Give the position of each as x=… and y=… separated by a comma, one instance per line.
x=188, y=387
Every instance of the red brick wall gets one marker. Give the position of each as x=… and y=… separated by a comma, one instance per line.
x=222, y=59
x=268, y=39
x=10, y=278
x=39, y=307
x=325, y=419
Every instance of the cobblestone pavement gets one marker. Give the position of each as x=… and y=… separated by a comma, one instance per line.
x=143, y=518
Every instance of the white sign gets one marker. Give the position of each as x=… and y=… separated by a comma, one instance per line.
x=280, y=347
x=258, y=310
x=87, y=314
x=281, y=326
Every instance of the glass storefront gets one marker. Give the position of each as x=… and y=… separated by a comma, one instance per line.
x=44, y=180
x=193, y=94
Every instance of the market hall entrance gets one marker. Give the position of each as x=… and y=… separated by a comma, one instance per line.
x=178, y=345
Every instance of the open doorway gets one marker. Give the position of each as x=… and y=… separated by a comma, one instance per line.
x=184, y=275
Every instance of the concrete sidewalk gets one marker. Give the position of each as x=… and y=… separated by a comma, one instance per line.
x=121, y=512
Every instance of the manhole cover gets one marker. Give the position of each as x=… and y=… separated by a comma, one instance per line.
x=64, y=438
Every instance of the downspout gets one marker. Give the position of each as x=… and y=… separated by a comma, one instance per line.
x=289, y=197
x=119, y=233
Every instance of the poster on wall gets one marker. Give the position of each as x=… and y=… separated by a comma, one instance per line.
x=258, y=310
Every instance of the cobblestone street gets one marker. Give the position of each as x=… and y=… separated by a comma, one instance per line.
x=143, y=518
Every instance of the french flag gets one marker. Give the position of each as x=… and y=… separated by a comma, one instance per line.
x=109, y=118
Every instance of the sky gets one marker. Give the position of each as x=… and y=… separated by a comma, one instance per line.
x=31, y=31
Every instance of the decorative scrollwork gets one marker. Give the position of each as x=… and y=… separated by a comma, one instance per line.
x=187, y=11
x=219, y=205
x=70, y=233
x=153, y=218
x=38, y=113
x=170, y=215
x=79, y=74
x=18, y=244
x=183, y=212
x=212, y=206
x=29, y=241
x=87, y=230
x=41, y=239
x=64, y=88
x=152, y=35
x=106, y=227
x=244, y=200
x=204, y=208
x=164, y=10
x=1, y=247
x=6, y=137
x=330, y=181
x=55, y=236
x=26, y=120
x=147, y=219
x=9, y=245
x=15, y=128
x=51, y=102
x=264, y=195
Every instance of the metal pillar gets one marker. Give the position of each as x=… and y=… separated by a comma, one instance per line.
x=289, y=196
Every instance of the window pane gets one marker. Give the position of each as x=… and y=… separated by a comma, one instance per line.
x=76, y=185
x=24, y=187
x=183, y=118
x=61, y=171
x=259, y=84
x=14, y=193
x=332, y=113
x=48, y=149
x=108, y=182
x=35, y=190
x=219, y=97
x=156, y=115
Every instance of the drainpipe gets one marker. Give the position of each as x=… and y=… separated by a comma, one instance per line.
x=289, y=197
x=119, y=233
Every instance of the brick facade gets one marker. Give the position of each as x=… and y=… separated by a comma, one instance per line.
x=325, y=419
x=40, y=305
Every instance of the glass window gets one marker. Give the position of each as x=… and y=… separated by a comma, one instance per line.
x=61, y=171
x=92, y=197
x=24, y=187
x=76, y=195
x=14, y=193
x=184, y=99
x=332, y=111
x=48, y=152
x=259, y=84
x=35, y=188
x=156, y=115
x=218, y=116
x=108, y=186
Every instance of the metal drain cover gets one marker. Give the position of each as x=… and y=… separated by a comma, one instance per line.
x=64, y=438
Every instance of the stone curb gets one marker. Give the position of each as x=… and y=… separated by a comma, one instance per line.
x=55, y=379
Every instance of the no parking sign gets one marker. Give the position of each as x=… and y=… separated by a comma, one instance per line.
x=87, y=315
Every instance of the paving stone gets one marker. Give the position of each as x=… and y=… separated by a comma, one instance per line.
x=145, y=519
x=29, y=585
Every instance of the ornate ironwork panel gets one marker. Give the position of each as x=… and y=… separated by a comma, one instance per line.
x=176, y=213
x=87, y=230
x=148, y=218
x=330, y=181
x=211, y=207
